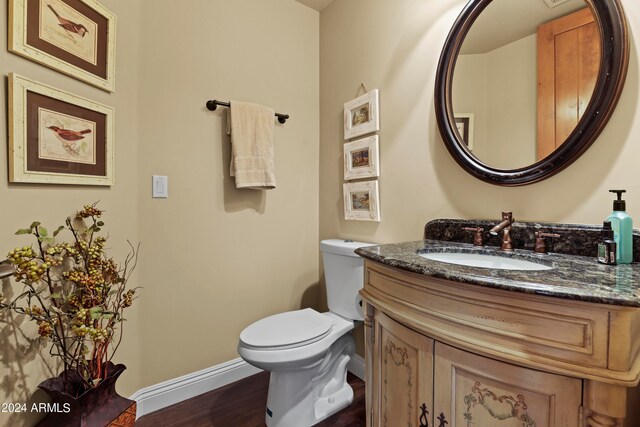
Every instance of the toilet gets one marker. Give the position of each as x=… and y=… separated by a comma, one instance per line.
x=307, y=352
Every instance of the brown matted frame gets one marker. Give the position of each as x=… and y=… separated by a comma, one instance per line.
x=39, y=118
x=75, y=37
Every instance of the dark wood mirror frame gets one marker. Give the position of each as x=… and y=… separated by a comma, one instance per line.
x=613, y=70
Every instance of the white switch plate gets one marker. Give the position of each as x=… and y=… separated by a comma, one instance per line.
x=160, y=187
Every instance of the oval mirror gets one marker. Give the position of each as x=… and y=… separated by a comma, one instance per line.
x=523, y=89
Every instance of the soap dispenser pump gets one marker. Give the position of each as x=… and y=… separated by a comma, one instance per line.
x=622, y=225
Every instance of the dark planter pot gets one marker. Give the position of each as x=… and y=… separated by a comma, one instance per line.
x=100, y=406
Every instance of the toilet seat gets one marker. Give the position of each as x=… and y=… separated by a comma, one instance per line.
x=286, y=330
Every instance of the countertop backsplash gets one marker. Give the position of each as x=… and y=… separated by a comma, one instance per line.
x=576, y=239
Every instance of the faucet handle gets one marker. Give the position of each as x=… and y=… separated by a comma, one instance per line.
x=541, y=246
x=478, y=239
x=508, y=216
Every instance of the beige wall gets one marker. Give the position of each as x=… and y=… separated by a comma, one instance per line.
x=216, y=258
x=512, y=107
x=505, y=126
x=468, y=94
x=213, y=259
x=395, y=46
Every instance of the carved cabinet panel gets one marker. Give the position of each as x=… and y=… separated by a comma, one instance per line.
x=419, y=382
x=402, y=362
x=472, y=390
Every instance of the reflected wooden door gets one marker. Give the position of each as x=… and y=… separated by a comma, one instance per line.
x=568, y=65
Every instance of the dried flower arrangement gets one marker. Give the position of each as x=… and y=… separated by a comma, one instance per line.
x=76, y=295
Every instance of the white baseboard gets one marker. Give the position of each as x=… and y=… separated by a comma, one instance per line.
x=167, y=393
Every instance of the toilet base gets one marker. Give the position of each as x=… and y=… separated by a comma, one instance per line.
x=304, y=397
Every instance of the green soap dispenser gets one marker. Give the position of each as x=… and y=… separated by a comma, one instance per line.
x=622, y=225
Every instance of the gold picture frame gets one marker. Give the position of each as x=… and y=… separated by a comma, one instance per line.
x=75, y=37
x=58, y=138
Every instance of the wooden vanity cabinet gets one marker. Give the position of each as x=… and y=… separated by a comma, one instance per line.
x=445, y=354
x=416, y=379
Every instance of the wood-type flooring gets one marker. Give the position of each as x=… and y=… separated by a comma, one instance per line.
x=242, y=404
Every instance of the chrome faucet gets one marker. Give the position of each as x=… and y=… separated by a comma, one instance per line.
x=505, y=227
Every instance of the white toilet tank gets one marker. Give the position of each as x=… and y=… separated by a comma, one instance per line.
x=344, y=276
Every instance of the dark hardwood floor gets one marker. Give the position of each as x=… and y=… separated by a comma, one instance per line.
x=242, y=404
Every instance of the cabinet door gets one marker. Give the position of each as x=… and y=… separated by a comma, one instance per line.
x=475, y=391
x=402, y=368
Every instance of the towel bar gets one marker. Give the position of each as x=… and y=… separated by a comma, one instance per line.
x=213, y=104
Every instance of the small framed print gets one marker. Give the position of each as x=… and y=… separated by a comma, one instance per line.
x=75, y=37
x=58, y=138
x=361, y=158
x=361, y=201
x=464, y=125
x=361, y=115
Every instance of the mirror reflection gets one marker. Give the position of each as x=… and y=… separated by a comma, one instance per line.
x=523, y=78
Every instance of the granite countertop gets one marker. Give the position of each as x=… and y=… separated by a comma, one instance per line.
x=572, y=277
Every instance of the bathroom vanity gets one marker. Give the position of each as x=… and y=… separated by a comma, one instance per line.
x=456, y=345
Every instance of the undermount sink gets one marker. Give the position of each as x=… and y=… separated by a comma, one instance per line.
x=484, y=261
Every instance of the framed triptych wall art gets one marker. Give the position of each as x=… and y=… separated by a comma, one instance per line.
x=58, y=138
x=361, y=160
x=75, y=37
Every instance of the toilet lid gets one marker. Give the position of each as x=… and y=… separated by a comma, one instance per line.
x=292, y=328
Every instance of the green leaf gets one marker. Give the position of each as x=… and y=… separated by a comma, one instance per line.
x=49, y=240
x=23, y=231
x=100, y=223
x=96, y=312
x=55, y=296
x=55, y=233
x=34, y=224
x=43, y=231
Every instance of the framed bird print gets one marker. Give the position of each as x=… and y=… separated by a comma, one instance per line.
x=75, y=37
x=58, y=138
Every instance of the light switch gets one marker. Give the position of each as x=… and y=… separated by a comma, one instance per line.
x=160, y=187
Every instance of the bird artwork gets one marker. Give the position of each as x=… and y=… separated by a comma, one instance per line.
x=70, y=26
x=69, y=138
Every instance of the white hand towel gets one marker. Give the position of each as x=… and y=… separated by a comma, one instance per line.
x=251, y=129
